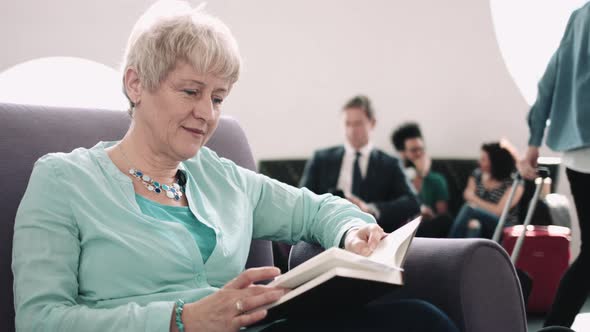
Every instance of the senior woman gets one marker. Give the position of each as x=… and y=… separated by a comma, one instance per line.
x=151, y=233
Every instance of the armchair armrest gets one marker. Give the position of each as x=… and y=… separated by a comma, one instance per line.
x=471, y=280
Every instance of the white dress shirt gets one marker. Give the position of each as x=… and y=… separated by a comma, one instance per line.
x=578, y=160
x=346, y=169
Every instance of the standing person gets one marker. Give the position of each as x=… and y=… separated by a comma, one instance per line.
x=431, y=186
x=365, y=175
x=564, y=100
x=486, y=194
x=151, y=233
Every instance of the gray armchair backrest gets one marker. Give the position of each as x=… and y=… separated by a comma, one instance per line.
x=29, y=132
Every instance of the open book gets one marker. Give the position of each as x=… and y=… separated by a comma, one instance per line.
x=338, y=279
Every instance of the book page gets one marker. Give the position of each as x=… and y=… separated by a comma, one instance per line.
x=394, y=277
x=387, y=257
x=329, y=259
x=391, y=251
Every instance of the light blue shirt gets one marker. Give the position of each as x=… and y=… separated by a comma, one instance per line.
x=203, y=235
x=85, y=257
x=564, y=96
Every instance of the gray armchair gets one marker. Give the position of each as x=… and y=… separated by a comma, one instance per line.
x=28, y=132
x=472, y=281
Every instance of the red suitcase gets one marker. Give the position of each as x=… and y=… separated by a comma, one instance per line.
x=544, y=256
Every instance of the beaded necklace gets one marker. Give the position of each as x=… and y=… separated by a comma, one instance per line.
x=173, y=191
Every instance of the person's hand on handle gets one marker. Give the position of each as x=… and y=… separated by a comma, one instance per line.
x=528, y=166
x=233, y=306
x=364, y=240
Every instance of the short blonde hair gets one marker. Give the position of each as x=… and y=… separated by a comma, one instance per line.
x=170, y=32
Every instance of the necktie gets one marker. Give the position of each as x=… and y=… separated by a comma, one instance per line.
x=357, y=177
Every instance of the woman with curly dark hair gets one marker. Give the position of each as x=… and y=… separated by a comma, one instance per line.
x=487, y=193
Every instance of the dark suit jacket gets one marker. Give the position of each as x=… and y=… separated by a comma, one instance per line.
x=384, y=185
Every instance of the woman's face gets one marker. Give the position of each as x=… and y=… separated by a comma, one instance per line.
x=183, y=112
x=484, y=162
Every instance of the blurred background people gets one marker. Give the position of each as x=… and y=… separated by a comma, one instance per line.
x=431, y=186
x=361, y=173
x=487, y=193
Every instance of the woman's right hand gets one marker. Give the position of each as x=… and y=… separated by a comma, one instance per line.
x=233, y=306
x=469, y=196
x=469, y=192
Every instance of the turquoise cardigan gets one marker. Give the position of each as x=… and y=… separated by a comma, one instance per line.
x=564, y=96
x=86, y=259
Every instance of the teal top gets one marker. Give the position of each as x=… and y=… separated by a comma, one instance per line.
x=86, y=258
x=203, y=235
x=434, y=189
x=563, y=90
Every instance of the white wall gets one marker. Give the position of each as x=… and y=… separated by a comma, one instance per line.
x=431, y=61
x=436, y=62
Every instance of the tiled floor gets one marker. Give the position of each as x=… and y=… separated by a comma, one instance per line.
x=536, y=322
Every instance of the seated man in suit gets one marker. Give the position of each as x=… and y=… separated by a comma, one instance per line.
x=366, y=176
x=431, y=186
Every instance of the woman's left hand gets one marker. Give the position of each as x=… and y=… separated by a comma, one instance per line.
x=364, y=240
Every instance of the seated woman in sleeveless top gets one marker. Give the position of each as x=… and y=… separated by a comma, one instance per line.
x=487, y=193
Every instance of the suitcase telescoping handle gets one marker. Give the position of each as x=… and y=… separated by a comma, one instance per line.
x=542, y=174
x=500, y=227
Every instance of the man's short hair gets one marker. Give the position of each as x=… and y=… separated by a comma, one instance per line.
x=404, y=132
x=362, y=102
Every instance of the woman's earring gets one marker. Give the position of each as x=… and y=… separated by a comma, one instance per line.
x=131, y=110
x=134, y=105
